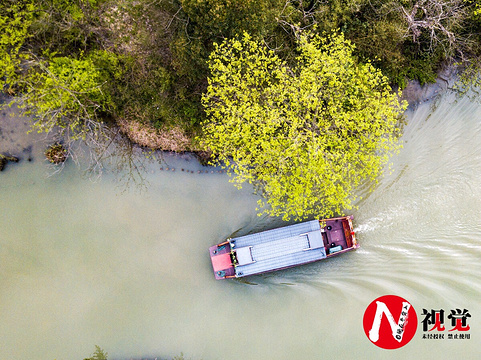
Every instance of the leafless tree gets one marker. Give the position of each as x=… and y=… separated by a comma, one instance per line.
x=439, y=19
x=105, y=151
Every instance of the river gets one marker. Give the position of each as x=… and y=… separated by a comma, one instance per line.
x=85, y=263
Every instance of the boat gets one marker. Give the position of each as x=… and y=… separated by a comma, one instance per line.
x=283, y=247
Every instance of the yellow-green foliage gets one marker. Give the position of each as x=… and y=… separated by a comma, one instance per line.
x=15, y=18
x=68, y=93
x=306, y=136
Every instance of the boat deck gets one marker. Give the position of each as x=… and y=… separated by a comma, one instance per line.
x=283, y=247
x=335, y=236
x=279, y=248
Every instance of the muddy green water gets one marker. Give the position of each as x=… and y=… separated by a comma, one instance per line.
x=83, y=263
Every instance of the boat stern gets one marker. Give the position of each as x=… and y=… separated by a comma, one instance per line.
x=352, y=234
x=220, y=256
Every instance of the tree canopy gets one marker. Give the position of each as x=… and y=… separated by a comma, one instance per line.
x=68, y=94
x=15, y=19
x=305, y=135
x=96, y=66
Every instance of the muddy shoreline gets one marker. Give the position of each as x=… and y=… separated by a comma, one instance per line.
x=416, y=94
x=17, y=143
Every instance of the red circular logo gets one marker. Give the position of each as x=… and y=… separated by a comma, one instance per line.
x=390, y=322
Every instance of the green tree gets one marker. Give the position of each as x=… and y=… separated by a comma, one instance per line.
x=99, y=354
x=15, y=19
x=69, y=99
x=306, y=136
x=67, y=95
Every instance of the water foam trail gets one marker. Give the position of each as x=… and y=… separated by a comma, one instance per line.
x=418, y=229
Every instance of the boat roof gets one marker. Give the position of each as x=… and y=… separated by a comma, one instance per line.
x=279, y=248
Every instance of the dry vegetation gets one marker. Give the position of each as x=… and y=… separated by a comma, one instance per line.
x=173, y=139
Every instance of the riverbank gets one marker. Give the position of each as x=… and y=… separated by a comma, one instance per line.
x=18, y=142
x=177, y=141
x=415, y=93
x=15, y=139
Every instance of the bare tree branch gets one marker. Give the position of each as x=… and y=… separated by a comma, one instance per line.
x=439, y=19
